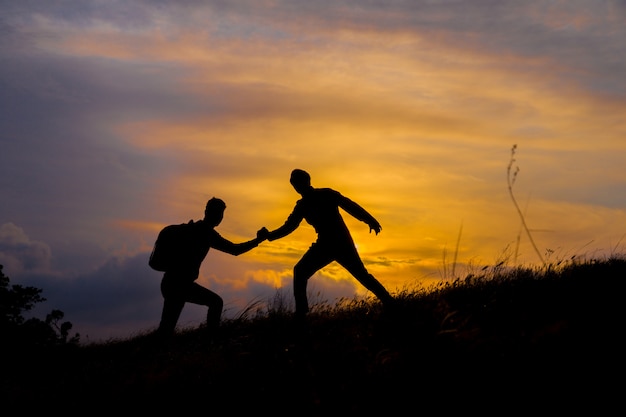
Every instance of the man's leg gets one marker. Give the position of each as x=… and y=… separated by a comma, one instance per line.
x=172, y=307
x=312, y=261
x=203, y=296
x=351, y=260
x=173, y=303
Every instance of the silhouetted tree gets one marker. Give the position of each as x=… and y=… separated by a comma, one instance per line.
x=15, y=300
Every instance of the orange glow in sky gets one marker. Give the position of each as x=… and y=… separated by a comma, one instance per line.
x=411, y=113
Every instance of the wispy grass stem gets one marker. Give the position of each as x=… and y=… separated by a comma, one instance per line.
x=510, y=181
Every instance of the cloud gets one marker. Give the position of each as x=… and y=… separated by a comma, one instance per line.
x=18, y=253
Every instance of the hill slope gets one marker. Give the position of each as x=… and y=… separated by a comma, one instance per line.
x=518, y=341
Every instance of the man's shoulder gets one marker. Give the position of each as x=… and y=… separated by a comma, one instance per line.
x=326, y=191
x=318, y=194
x=201, y=229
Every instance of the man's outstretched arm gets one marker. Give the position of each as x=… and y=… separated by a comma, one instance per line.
x=291, y=224
x=360, y=213
x=224, y=245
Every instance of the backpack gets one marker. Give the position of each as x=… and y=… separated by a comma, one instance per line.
x=169, y=249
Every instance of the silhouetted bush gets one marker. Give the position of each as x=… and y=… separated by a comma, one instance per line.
x=21, y=333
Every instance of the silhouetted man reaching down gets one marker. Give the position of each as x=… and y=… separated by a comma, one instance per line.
x=320, y=208
x=178, y=285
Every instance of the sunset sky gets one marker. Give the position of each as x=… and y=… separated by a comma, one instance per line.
x=120, y=117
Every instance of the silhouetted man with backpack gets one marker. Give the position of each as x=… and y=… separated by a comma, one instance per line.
x=320, y=208
x=181, y=262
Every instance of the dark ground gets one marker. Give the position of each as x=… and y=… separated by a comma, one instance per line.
x=528, y=343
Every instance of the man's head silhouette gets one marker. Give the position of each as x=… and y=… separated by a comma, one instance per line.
x=301, y=180
x=214, y=211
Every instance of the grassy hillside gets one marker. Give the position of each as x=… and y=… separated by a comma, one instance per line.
x=507, y=342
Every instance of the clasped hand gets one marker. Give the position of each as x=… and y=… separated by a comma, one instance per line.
x=262, y=233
